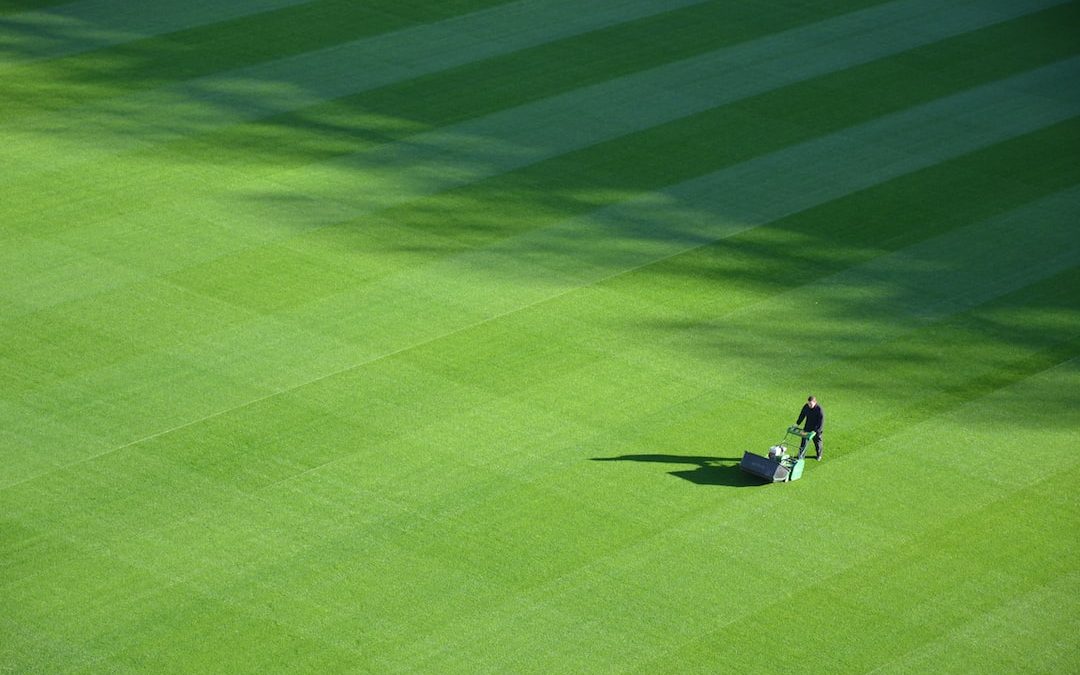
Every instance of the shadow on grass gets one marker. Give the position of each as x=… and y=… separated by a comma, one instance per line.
x=708, y=471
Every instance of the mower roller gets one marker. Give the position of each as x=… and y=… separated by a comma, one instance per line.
x=779, y=466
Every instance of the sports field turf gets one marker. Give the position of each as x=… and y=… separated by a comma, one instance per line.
x=426, y=335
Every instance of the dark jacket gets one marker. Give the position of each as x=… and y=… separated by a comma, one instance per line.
x=815, y=418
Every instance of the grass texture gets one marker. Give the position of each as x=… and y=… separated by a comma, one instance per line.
x=426, y=336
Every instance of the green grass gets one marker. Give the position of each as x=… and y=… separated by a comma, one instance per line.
x=427, y=336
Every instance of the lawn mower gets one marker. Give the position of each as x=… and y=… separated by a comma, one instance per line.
x=779, y=466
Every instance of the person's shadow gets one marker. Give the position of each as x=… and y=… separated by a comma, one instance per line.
x=707, y=471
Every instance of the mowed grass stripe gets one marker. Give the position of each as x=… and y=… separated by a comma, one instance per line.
x=151, y=62
x=828, y=238
x=85, y=25
x=1013, y=636
x=199, y=105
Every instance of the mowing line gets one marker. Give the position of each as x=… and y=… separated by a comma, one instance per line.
x=983, y=126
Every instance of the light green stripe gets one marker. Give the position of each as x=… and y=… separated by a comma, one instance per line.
x=84, y=26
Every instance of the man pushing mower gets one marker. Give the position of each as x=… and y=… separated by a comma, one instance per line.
x=815, y=420
x=779, y=466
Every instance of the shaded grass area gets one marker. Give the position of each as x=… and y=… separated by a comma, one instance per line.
x=581, y=181
x=16, y=6
x=317, y=133
x=204, y=50
x=495, y=84
x=828, y=238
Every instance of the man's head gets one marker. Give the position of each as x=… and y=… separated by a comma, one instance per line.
x=812, y=402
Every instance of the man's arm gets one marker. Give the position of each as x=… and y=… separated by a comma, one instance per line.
x=802, y=416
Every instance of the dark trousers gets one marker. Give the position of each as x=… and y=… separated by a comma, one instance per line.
x=817, y=444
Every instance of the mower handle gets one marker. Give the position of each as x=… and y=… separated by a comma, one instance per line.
x=796, y=431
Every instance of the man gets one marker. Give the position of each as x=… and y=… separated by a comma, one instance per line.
x=815, y=420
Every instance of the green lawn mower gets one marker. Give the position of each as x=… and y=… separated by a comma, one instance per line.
x=779, y=466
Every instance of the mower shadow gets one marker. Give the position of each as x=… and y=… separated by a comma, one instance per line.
x=708, y=471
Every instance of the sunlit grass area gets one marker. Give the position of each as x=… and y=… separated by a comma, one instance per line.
x=427, y=336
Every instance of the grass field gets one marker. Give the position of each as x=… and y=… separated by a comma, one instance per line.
x=426, y=335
